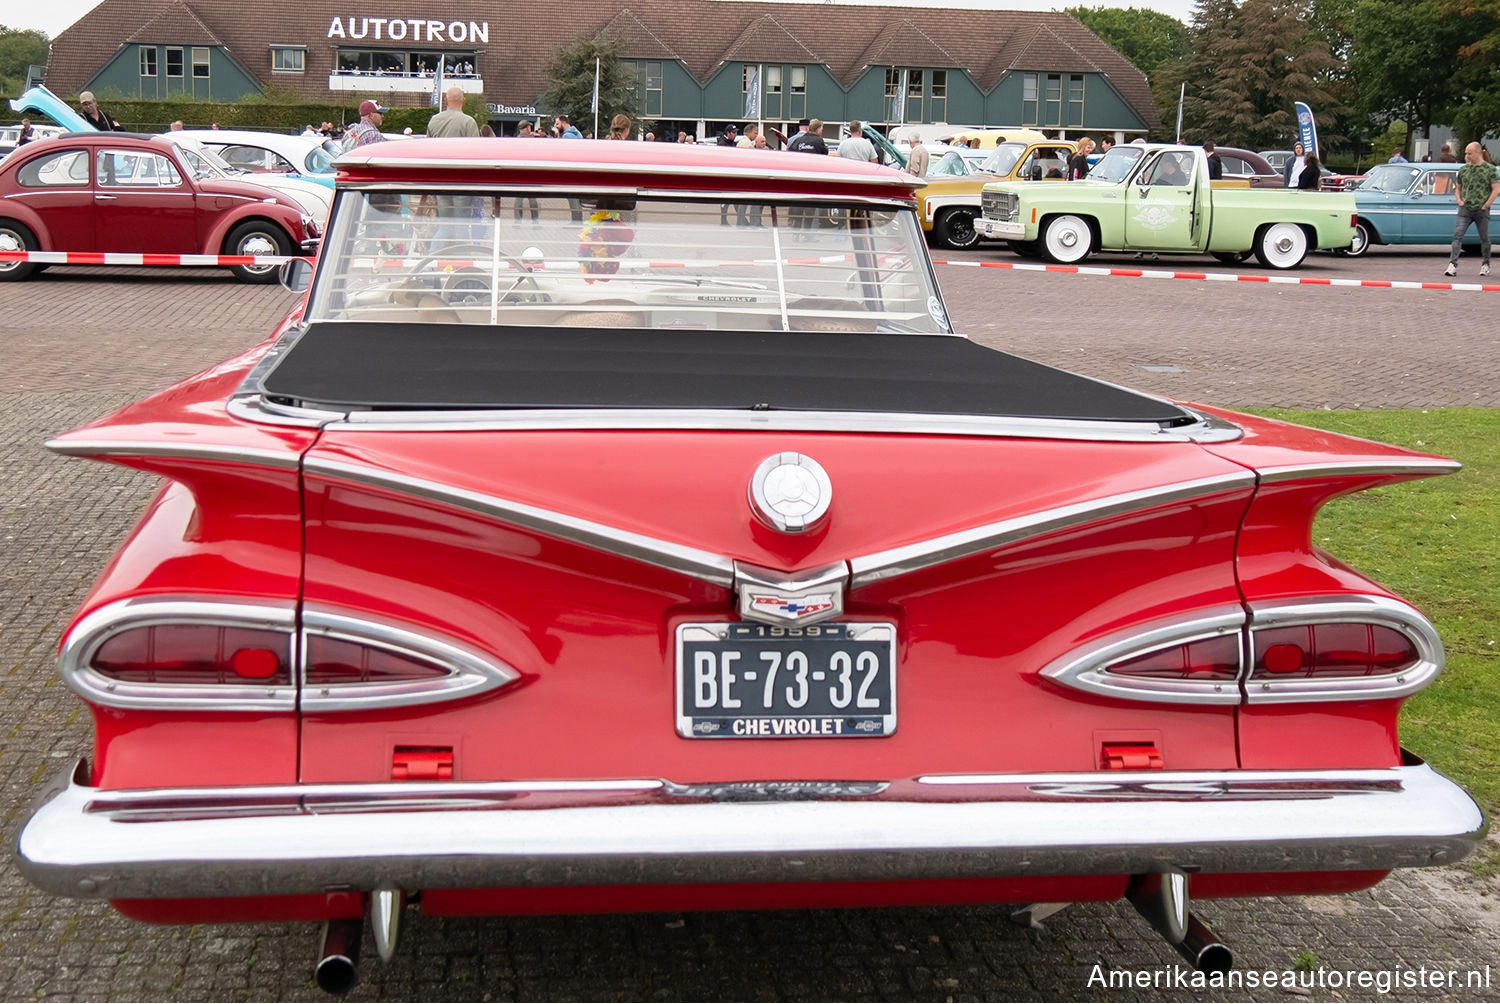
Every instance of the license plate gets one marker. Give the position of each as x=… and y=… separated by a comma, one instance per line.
x=756, y=681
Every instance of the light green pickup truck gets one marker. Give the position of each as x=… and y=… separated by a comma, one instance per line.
x=1155, y=198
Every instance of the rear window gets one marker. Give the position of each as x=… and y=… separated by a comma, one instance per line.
x=65, y=168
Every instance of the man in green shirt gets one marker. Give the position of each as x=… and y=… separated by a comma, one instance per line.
x=1478, y=184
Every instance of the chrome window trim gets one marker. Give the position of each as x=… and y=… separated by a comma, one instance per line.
x=204, y=451
x=1383, y=610
x=1084, y=668
x=697, y=419
x=502, y=187
x=89, y=634
x=470, y=673
x=1415, y=466
x=706, y=565
x=255, y=408
x=870, y=568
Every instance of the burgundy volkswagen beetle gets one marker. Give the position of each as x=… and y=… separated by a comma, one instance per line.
x=100, y=193
x=617, y=526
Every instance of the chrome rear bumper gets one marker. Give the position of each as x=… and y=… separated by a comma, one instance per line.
x=196, y=842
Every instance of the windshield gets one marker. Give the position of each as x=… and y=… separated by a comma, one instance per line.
x=1390, y=179
x=1116, y=165
x=204, y=163
x=319, y=159
x=481, y=258
x=951, y=163
x=1003, y=160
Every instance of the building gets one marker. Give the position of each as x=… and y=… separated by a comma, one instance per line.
x=699, y=63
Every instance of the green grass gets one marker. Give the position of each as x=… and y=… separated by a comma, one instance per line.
x=1436, y=542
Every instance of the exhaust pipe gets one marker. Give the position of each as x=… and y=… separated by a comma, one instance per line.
x=338, y=962
x=1204, y=950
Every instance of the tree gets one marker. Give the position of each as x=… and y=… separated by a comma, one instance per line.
x=1478, y=66
x=18, y=50
x=1251, y=62
x=571, y=90
x=1405, y=60
x=1147, y=38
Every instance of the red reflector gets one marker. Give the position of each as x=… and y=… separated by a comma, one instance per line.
x=1335, y=650
x=333, y=661
x=255, y=663
x=194, y=654
x=1208, y=659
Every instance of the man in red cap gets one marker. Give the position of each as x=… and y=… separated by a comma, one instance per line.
x=367, y=129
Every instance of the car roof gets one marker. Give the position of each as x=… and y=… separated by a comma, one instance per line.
x=252, y=137
x=630, y=162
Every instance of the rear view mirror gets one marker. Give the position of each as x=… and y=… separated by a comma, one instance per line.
x=296, y=274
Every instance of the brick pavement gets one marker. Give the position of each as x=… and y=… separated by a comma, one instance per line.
x=80, y=342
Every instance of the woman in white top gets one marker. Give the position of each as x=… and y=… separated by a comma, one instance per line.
x=1294, y=166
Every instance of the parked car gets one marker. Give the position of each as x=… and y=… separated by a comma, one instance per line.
x=640, y=562
x=1155, y=198
x=316, y=198
x=1246, y=165
x=271, y=152
x=1408, y=204
x=118, y=192
x=10, y=135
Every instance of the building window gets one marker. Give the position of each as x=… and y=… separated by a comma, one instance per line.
x=200, y=62
x=653, y=88
x=174, y=62
x=916, y=81
x=148, y=61
x=288, y=59
x=1029, y=99
x=1052, y=103
x=1075, y=101
x=938, y=106
x=797, y=106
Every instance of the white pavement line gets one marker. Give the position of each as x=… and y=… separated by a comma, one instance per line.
x=1278, y=280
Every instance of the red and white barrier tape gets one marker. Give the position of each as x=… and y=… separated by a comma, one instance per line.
x=1284, y=280
x=215, y=260
x=120, y=258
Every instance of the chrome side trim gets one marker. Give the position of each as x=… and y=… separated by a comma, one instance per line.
x=1263, y=689
x=924, y=554
x=83, y=841
x=470, y=672
x=205, y=451
x=1084, y=668
x=90, y=633
x=1209, y=431
x=705, y=565
x=1414, y=466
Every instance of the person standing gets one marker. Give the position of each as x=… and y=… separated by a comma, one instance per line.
x=1445, y=155
x=1311, y=178
x=27, y=134
x=452, y=121
x=525, y=131
x=808, y=141
x=367, y=129
x=1294, y=164
x=95, y=116
x=1215, y=162
x=1396, y=157
x=619, y=127
x=1078, y=164
x=855, y=146
x=1106, y=143
x=918, y=157
x=564, y=128
x=1478, y=184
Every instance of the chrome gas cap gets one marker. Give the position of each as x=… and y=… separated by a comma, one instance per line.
x=790, y=492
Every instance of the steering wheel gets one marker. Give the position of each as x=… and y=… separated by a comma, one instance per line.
x=458, y=290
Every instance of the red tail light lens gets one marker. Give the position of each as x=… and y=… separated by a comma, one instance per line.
x=1208, y=659
x=1333, y=651
x=336, y=661
x=196, y=655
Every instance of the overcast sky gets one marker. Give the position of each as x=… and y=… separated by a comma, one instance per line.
x=53, y=16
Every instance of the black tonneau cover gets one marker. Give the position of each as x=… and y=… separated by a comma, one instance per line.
x=451, y=366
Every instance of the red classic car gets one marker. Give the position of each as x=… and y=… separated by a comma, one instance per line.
x=619, y=526
x=115, y=193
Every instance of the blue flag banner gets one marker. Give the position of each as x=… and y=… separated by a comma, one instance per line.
x=1307, y=129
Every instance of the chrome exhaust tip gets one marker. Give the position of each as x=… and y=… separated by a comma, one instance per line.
x=1204, y=950
x=338, y=961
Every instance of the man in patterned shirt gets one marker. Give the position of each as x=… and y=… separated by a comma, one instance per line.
x=1478, y=184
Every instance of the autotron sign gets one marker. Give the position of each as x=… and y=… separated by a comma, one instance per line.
x=415, y=29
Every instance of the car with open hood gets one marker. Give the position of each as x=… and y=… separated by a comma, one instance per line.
x=595, y=553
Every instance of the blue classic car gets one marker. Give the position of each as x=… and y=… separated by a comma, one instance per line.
x=1407, y=204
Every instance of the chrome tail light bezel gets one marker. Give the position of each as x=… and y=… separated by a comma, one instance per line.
x=470, y=672
x=1087, y=668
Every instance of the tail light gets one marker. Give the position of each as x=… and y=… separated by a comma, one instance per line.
x=190, y=654
x=1343, y=648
